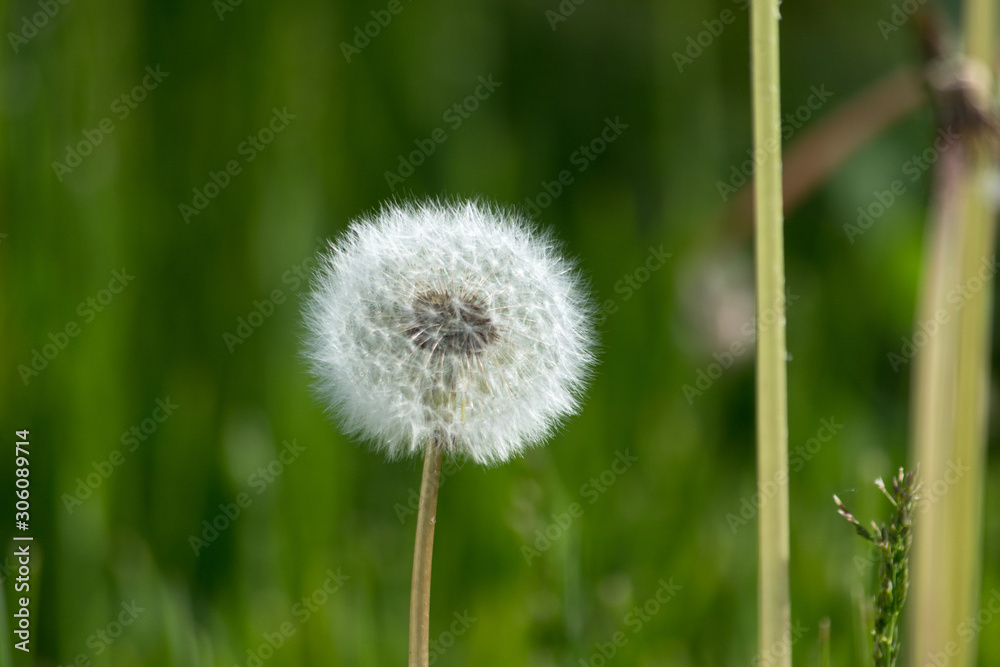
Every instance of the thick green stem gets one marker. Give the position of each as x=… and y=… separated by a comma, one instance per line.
x=971, y=405
x=949, y=536
x=932, y=418
x=977, y=258
x=774, y=606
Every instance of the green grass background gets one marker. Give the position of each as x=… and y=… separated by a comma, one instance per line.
x=336, y=506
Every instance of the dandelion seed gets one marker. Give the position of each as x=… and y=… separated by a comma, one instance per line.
x=449, y=322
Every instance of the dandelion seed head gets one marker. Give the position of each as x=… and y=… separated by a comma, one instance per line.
x=452, y=322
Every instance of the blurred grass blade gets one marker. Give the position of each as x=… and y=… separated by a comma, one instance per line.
x=864, y=627
x=5, y=657
x=824, y=642
x=774, y=606
x=950, y=393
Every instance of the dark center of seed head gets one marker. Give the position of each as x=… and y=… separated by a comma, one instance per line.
x=449, y=324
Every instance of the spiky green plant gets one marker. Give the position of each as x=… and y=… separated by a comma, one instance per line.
x=892, y=540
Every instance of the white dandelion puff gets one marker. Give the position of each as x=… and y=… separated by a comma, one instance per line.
x=456, y=323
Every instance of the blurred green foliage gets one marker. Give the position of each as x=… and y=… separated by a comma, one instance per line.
x=228, y=68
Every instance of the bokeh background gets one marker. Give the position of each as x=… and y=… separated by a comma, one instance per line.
x=211, y=323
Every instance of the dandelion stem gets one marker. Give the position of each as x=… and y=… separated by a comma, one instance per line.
x=423, y=550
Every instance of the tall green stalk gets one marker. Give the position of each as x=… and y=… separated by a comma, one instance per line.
x=974, y=335
x=932, y=412
x=970, y=405
x=949, y=533
x=774, y=606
